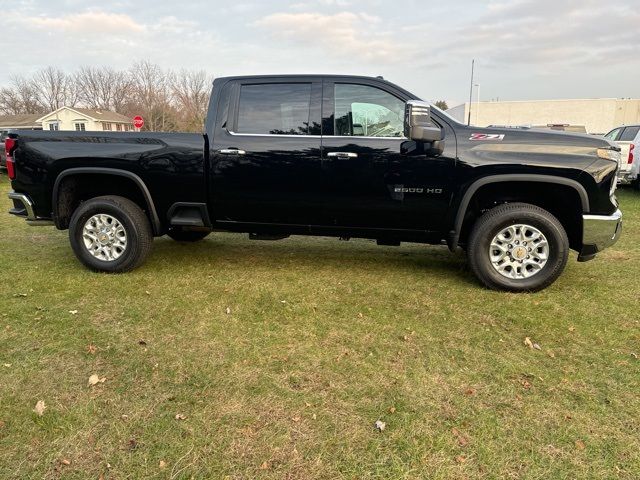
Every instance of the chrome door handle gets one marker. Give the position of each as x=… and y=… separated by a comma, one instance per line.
x=232, y=151
x=342, y=155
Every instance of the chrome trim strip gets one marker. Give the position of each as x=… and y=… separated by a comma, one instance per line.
x=232, y=151
x=235, y=134
x=602, y=231
x=342, y=154
x=26, y=202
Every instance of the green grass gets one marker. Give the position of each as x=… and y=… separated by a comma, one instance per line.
x=323, y=339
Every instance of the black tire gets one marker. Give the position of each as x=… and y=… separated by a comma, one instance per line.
x=180, y=235
x=493, y=222
x=139, y=236
x=636, y=183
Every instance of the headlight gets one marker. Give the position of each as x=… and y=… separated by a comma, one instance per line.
x=609, y=154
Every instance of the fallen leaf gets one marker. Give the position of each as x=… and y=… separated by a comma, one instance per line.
x=147, y=292
x=73, y=312
x=296, y=419
x=528, y=342
x=264, y=465
x=461, y=459
x=634, y=355
x=526, y=384
x=2, y=424
x=470, y=391
x=162, y=465
x=463, y=441
x=92, y=349
x=228, y=311
x=124, y=416
x=380, y=425
x=392, y=409
x=580, y=445
x=19, y=294
x=65, y=461
x=572, y=328
x=180, y=416
x=40, y=408
x=6, y=365
x=132, y=444
x=536, y=346
x=142, y=342
x=95, y=379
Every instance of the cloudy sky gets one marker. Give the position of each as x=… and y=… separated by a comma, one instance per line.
x=524, y=49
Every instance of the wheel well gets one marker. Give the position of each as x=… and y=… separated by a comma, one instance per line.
x=77, y=188
x=562, y=201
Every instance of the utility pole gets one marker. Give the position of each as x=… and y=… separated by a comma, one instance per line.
x=471, y=92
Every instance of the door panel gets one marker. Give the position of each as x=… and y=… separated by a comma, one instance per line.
x=266, y=159
x=380, y=180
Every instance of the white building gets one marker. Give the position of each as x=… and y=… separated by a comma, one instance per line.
x=598, y=115
x=85, y=119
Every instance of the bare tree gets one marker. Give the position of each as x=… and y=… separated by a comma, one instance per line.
x=54, y=89
x=20, y=97
x=151, y=96
x=190, y=91
x=167, y=100
x=103, y=88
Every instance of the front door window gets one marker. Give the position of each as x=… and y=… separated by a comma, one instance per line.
x=361, y=110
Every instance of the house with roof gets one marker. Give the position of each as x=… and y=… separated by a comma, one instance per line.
x=86, y=119
x=20, y=122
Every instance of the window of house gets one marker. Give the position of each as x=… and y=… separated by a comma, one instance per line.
x=274, y=108
x=80, y=126
x=106, y=126
x=54, y=126
x=361, y=110
x=119, y=127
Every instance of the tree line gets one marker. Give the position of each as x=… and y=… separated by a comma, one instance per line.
x=168, y=100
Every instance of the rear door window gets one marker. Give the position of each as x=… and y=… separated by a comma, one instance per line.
x=274, y=109
x=629, y=134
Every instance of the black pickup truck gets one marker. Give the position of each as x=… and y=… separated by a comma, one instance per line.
x=328, y=155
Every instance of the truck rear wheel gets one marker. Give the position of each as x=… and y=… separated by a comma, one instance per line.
x=180, y=235
x=110, y=234
x=517, y=247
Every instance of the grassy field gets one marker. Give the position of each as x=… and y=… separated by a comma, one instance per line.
x=242, y=359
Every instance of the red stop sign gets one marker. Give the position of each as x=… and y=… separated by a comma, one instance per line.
x=138, y=121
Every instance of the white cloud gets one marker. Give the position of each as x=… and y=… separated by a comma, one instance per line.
x=344, y=33
x=86, y=22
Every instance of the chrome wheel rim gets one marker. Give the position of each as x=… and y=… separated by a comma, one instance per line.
x=104, y=237
x=519, y=251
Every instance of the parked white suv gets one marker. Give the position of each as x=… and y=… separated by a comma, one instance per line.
x=628, y=138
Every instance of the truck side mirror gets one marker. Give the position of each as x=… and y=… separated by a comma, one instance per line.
x=418, y=125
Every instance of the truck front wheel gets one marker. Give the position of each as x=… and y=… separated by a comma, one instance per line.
x=517, y=247
x=110, y=234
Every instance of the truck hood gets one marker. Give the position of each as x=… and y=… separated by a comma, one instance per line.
x=529, y=147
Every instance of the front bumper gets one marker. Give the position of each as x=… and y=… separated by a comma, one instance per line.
x=23, y=207
x=598, y=233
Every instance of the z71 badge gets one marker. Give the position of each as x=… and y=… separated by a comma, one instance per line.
x=486, y=136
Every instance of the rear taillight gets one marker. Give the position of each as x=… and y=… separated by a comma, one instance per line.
x=9, y=144
x=630, y=159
